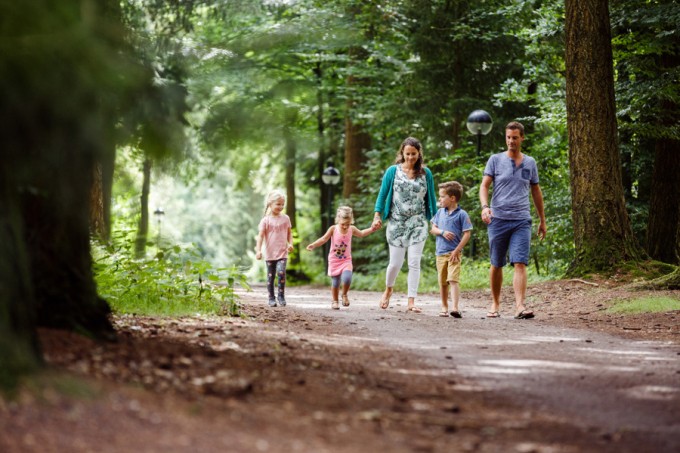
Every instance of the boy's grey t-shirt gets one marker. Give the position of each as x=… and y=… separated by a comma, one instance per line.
x=511, y=186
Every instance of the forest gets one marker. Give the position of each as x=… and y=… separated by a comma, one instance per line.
x=142, y=136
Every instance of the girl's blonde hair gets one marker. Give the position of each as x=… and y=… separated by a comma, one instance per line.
x=272, y=197
x=344, y=213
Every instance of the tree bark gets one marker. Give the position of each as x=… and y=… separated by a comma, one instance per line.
x=663, y=228
x=291, y=201
x=143, y=225
x=357, y=142
x=602, y=234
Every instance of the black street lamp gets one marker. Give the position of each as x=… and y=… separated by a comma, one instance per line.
x=159, y=213
x=479, y=123
x=330, y=177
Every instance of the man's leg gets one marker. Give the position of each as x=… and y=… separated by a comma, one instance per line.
x=519, y=284
x=496, y=279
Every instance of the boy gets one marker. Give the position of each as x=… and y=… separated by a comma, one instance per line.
x=452, y=227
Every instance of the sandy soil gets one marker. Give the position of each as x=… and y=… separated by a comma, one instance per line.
x=308, y=379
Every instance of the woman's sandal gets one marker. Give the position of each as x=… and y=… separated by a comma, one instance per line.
x=493, y=314
x=345, y=300
x=414, y=310
x=384, y=303
x=335, y=305
x=444, y=314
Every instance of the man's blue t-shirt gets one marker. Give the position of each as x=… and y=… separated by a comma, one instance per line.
x=456, y=221
x=511, y=186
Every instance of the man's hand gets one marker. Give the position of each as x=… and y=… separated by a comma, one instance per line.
x=542, y=230
x=487, y=214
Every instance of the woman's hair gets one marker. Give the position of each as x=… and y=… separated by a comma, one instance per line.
x=271, y=199
x=410, y=141
x=344, y=213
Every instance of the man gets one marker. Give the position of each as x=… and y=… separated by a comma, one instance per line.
x=514, y=175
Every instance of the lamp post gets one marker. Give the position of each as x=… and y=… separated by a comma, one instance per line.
x=479, y=123
x=330, y=177
x=159, y=213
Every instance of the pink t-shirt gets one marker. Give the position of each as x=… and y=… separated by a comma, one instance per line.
x=276, y=230
x=340, y=254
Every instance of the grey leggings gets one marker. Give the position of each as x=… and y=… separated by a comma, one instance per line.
x=276, y=268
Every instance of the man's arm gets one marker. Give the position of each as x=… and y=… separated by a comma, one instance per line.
x=484, y=198
x=537, y=196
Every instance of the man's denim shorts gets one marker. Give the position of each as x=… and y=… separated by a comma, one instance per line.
x=509, y=237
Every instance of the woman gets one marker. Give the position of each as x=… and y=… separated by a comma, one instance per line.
x=408, y=199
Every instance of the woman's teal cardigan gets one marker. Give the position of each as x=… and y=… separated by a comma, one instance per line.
x=384, y=200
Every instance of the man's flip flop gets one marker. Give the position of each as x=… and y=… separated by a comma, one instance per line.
x=525, y=314
x=456, y=314
x=493, y=314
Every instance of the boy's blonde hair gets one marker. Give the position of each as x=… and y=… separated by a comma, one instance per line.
x=453, y=189
x=271, y=199
x=344, y=213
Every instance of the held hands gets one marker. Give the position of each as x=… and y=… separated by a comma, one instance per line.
x=377, y=223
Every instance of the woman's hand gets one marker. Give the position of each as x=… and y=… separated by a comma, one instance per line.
x=377, y=222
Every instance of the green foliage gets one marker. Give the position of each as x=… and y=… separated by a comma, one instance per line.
x=649, y=304
x=175, y=281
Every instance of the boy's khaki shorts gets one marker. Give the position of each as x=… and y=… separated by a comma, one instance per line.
x=447, y=271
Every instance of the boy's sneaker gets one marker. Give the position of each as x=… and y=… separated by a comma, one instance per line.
x=282, y=301
x=272, y=302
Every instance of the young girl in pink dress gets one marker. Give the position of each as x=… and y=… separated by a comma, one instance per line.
x=276, y=235
x=340, y=255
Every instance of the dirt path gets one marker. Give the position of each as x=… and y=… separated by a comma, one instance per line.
x=307, y=379
x=594, y=380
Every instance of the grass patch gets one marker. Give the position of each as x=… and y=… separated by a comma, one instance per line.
x=645, y=305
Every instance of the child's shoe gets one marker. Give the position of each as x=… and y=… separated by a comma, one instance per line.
x=335, y=305
x=282, y=301
x=345, y=300
x=272, y=302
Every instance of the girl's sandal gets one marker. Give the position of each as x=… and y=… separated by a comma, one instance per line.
x=335, y=305
x=345, y=300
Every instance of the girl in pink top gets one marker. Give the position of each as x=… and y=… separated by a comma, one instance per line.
x=340, y=254
x=275, y=232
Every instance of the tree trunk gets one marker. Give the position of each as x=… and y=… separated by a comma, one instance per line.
x=19, y=349
x=663, y=228
x=602, y=234
x=291, y=202
x=143, y=226
x=357, y=142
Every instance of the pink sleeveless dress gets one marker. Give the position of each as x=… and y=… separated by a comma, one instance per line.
x=340, y=254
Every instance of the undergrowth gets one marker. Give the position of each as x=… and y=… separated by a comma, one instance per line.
x=175, y=281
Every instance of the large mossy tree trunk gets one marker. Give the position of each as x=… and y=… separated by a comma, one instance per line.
x=602, y=233
x=57, y=61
